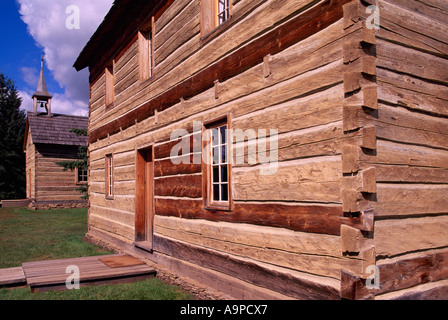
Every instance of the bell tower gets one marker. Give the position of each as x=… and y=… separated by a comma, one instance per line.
x=42, y=98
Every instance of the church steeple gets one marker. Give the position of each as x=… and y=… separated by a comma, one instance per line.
x=42, y=96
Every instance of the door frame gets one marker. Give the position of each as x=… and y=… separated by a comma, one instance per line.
x=144, y=198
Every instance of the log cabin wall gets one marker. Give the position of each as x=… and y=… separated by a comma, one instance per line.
x=285, y=225
x=403, y=151
x=412, y=162
x=329, y=85
x=53, y=184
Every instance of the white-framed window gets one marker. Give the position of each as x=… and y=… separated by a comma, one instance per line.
x=109, y=176
x=219, y=167
x=223, y=11
x=213, y=14
x=216, y=167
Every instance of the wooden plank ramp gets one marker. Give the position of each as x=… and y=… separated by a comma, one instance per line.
x=53, y=274
x=12, y=277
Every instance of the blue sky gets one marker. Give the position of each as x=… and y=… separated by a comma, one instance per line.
x=20, y=50
x=32, y=28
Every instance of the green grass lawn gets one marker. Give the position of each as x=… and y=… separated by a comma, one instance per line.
x=27, y=235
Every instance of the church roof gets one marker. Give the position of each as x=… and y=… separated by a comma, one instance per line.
x=56, y=129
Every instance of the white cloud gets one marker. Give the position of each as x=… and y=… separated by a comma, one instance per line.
x=46, y=21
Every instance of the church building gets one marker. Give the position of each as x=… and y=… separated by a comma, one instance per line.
x=48, y=140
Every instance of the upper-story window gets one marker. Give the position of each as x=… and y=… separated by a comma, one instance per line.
x=223, y=11
x=213, y=14
x=145, y=54
x=109, y=79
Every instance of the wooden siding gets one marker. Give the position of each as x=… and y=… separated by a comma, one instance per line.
x=30, y=167
x=52, y=183
x=362, y=145
x=406, y=149
x=412, y=61
x=300, y=88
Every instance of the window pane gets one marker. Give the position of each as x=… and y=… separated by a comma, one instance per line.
x=215, y=137
x=224, y=174
x=215, y=155
x=224, y=154
x=215, y=173
x=224, y=192
x=216, y=192
x=223, y=134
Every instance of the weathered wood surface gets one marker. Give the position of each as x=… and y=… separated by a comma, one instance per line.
x=281, y=247
x=12, y=277
x=293, y=284
x=315, y=218
x=227, y=67
x=417, y=269
x=362, y=137
x=50, y=274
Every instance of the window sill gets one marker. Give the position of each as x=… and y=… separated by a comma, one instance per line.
x=213, y=207
x=217, y=31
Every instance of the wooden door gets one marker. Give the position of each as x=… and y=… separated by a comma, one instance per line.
x=144, y=199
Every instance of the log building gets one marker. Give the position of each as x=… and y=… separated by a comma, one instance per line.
x=275, y=149
x=48, y=140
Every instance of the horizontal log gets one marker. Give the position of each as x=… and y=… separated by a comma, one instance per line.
x=254, y=235
x=400, y=236
x=120, y=202
x=313, y=263
x=111, y=226
x=180, y=186
x=402, y=273
x=316, y=179
x=320, y=108
x=410, y=174
x=413, y=62
x=411, y=92
x=391, y=153
x=299, y=217
x=323, y=140
x=167, y=167
x=437, y=290
x=164, y=150
x=256, y=273
x=410, y=199
x=113, y=214
x=414, y=25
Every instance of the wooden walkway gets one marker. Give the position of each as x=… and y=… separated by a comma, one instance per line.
x=53, y=274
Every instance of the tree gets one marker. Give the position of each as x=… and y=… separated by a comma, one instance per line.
x=81, y=163
x=12, y=129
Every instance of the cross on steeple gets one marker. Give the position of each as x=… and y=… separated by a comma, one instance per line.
x=42, y=96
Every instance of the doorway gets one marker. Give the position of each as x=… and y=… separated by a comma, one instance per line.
x=144, y=199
